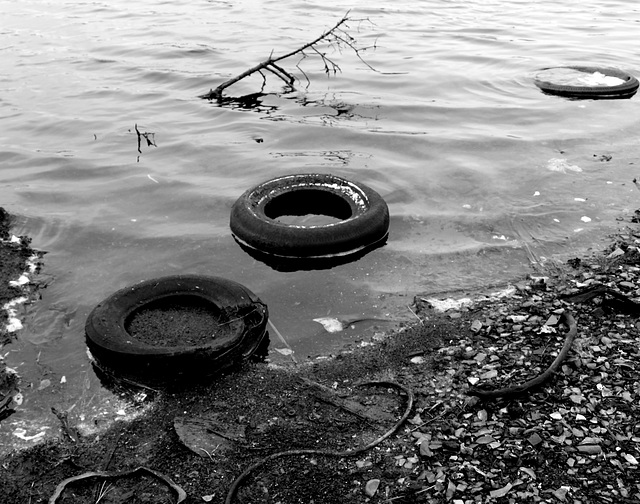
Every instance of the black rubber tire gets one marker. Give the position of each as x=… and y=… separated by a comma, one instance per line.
x=364, y=215
x=624, y=90
x=118, y=353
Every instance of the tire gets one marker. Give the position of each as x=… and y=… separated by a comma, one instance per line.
x=625, y=90
x=362, y=218
x=239, y=314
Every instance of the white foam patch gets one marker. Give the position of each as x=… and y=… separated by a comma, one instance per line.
x=443, y=305
x=562, y=166
x=13, y=322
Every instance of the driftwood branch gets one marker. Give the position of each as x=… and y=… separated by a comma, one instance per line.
x=540, y=379
x=610, y=299
x=336, y=36
x=181, y=495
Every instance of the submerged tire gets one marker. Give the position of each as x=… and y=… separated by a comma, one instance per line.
x=361, y=218
x=624, y=90
x=169, y=354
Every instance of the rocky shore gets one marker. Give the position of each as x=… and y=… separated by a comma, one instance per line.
x=408, y=419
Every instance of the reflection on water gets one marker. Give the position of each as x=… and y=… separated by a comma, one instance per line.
x=448, y=127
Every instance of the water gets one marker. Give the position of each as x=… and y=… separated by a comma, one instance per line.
x=448, y=128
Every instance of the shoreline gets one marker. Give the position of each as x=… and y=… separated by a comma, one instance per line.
x=573, y=439
x=18, y=263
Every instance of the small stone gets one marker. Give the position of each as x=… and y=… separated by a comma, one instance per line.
x=44, y=384
x=371, y=487
x=560, y=493
x=577, y=398
x=534, y=439
x=590, y=449
x=606, y=341
x=480, y=356
x=476, y=325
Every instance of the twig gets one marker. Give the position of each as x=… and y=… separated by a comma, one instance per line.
x=102, y=492
x=208, y=454
x=230, y=321
x=329, y=453
x=67, y=429
x=413, y=494
x=98, y=493
x=149, y=137
x=328, y=395
x=540, y=379
x=431, y=420
x=284, y=341
x=415, y=315
x=112, y=475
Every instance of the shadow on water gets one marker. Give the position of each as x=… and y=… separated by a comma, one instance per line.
x=291, y=264
x=251, y=101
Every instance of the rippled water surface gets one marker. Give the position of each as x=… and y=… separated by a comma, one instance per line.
x=483, y=174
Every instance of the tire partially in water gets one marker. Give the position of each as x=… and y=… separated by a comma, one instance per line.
x=360, y=219
x=170, y=329
x=626, y=89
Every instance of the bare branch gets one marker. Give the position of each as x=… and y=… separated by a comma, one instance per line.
x=336, y=36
